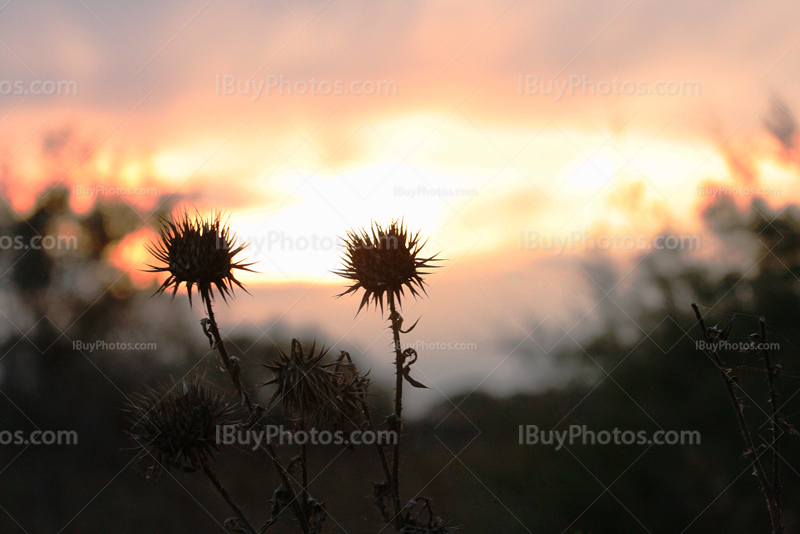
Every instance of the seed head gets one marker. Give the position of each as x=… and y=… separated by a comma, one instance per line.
x=175, y=428
x=317, y=395
x=384, y=262
x=197, y=251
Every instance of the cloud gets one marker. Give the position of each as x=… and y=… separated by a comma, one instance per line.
x=781, y=124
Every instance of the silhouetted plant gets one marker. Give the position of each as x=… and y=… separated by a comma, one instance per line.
x=757, y=344
x=315, y=394
x=176, y=427
x=385, y=262
x=200, y=251
x=320, y=396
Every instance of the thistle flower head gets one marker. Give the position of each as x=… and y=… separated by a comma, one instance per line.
x=318, y=395
x=384, y=262
x=175, y=428
x=197, y=251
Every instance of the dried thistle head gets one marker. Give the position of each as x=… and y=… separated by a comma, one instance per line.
x=175, y=428
x=384, y=262
x=315, y=394
x=197, y=251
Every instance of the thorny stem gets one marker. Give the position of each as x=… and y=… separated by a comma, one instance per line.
x=239, y=514
x=233, y=372
x=773, y=399
x=379, y=446
x=232, y=369
x=752, y=455
x=305, y=473
x=396, y=422
x=287, y=484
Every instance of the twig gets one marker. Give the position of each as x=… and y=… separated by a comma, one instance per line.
x=234, y=373
x=751, y=453
x=305, y=474
x=379, y=446
x=396, y=422
x=239, y=514
x=773, y=399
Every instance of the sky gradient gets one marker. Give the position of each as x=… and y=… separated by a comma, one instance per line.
x=499, y=126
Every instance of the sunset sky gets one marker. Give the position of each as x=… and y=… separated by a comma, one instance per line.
x=491, y=127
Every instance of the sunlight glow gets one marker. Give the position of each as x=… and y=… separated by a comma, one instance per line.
x=174, y=166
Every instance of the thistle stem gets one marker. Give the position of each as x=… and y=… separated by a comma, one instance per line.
x=305, y=474
x=751, y=453
x=396, y=422
x=776, y=457
x=299, y=510
x=234, y=373
x=378, y=445
x=239, y=514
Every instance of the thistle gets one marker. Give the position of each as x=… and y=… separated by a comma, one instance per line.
x=197, y=251
x=318, y=395
x=201, y=251
x=384, y=262
x=175, y=428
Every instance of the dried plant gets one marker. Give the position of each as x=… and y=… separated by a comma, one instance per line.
x=384, y=262
x=201, y=251
x=197, y=251
x=758, y=341
x=316, y=395
x=175, y=427
x=325, y=396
